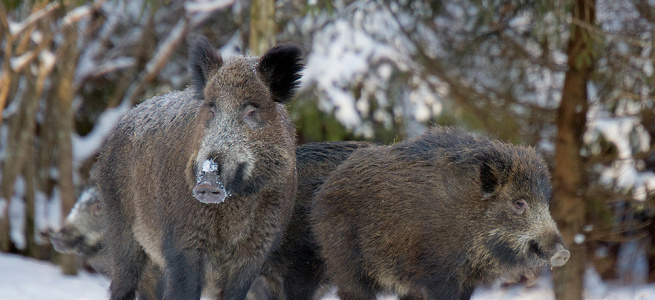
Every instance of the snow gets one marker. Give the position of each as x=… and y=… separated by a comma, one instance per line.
x=359, y=50
x=27, y=279
x=629, y=137
x=84, y=147
x=17, y=214
x=201, y=6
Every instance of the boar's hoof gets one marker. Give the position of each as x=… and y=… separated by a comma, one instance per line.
x=206, y=192
x=560, y=258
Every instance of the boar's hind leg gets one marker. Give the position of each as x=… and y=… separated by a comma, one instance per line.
x=183, y=274
x=129, y=261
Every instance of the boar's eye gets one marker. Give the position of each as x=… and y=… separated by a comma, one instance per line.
x=250, y=111
x=211, y=107
x=208, y=112
x=250, y=115
x=96, y=209
x=520, y=206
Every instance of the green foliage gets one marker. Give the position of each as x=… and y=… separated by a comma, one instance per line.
x=12, y=4
x=313, y=125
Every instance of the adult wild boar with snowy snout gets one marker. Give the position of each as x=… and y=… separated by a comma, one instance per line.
x=202, y=181
x=433, y=217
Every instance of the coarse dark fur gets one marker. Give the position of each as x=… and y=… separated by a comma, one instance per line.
x=295, y=270
x=233, y=116
x=435, y=216
x=83, y=234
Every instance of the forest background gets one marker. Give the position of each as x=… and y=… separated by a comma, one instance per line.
x=572, y=78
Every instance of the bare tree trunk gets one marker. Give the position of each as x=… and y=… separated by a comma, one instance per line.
x=569, y=176
x=28, y=173
x=65, y=71
x=21, y=128
x=262, y=26
x=5, y=78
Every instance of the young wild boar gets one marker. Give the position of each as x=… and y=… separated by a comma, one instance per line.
x=435, y=216
x=83, y=233
x=295, y=270
x=202, y=181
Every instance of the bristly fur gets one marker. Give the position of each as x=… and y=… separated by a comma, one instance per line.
x=147, y=170
x=433, y=217
x=281, y=67
x=203, y=59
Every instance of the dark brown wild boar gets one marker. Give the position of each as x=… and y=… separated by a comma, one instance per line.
x=435, y=216
x=295, y=270
x=202, y=181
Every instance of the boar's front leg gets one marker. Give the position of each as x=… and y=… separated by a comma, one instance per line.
x=183, y=273
x=129, y=261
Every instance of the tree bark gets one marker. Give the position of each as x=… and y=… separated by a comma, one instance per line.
x=63, y=98
x=21, y=135
x=569, y=176
x=262, y=26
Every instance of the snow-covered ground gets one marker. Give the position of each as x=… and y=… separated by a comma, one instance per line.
x=28, y=279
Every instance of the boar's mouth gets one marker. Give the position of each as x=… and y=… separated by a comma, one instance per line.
x=534, y=248
x=209, y=188
x=559, y=257
x=65, y=242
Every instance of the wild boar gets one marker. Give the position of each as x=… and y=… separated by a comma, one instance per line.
x=203, y=181
x=435, y=216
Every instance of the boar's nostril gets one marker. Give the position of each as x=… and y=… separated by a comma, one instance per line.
x=206, y=192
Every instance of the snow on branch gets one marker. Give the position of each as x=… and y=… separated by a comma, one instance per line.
x=85, y=147
x=206, y=6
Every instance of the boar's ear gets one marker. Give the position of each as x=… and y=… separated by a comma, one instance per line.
x=493, y=175
x=203, y=62
x=280, y=68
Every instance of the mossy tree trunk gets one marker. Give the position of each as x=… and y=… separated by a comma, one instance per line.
x=569, y=176
x=262, y=26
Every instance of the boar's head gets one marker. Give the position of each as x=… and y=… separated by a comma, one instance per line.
x=248, y=140
x=82, y=231
x=515, y=187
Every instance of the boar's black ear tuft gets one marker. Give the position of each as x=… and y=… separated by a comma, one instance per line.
x=280, y=67
x=493, y=175
x=203, y=62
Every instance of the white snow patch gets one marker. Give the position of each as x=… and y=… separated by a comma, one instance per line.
x=28, y=279
x=629, y=137
x=41, y=223
x=84, y=147
x=17, y=214
x=206, y=6
x=579, y=238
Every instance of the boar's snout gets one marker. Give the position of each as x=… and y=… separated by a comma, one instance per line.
x=560, y=257
x=63, y=240
x=207, y=192
x=209, y=189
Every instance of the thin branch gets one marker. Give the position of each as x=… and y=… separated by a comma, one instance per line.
x=17, y=29
x=158, y=61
